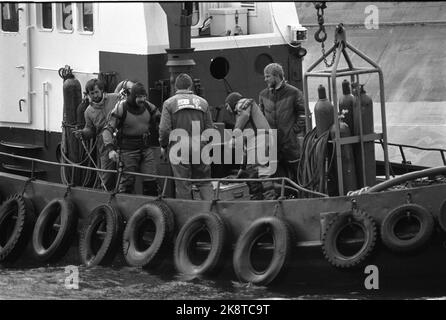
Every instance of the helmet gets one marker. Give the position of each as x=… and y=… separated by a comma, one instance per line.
x=123, y=88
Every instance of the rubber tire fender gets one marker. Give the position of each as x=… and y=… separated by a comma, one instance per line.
x=162, y=217
x=393, y=242
x=282, y=237
x=215, y=226
x=332, y=231
x=67, y=229
x=107, y=251
x=15, y=245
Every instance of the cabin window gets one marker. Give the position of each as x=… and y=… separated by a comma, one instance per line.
x=10, y=17
x=65, y=16
x=47, y=16
x=87, y=17
x=261, y=61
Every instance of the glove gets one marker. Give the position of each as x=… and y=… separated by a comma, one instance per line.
x=164, y=154
x=78, y=134
x=113, y=155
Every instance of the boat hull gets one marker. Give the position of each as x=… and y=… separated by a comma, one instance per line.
x=305, y=217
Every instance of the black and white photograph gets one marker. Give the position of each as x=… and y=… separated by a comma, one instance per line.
x=222, y=156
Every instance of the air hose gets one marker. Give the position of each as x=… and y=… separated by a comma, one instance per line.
x=86, y=175
x=314, y=163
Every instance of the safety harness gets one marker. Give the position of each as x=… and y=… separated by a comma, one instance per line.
x=119, y=127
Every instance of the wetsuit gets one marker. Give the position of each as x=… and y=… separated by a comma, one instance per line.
x=133, y=143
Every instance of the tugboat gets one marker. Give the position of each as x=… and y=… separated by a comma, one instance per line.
x=347, y=211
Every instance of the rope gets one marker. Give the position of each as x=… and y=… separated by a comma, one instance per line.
x=27, y=182
x=94, y=164
x=155, y=176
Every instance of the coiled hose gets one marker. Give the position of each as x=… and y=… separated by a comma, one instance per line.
x=86, y=176
x=314, y=164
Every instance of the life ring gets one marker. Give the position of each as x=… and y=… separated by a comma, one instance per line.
x=280, y=234
x=342, y=228
x=201, y=232
x=397, y=228
x=147, y=235
x=16, y=224
x=100, y=236
x=55, y=229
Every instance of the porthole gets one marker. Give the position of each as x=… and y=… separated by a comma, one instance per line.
x=219, y=68
x=262, y=60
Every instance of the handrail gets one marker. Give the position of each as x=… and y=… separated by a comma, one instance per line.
x=289, y=181
x=400, y=146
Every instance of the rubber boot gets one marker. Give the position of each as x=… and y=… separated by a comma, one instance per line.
x=255, y=187
x=150, y=188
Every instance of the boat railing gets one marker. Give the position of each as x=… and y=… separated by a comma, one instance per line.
x=282, y=180
x=403, y=155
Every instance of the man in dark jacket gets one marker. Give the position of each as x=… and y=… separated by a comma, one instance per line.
x=283, y=106
x=101, y=103
x=183, y=112
x=132, y=118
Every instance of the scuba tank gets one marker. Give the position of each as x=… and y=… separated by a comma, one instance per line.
x=346, y=103
x=72, y=97
x=323, y=112
x=366, y=112
x=348, y=159
x=70, y=146
x=367, y=170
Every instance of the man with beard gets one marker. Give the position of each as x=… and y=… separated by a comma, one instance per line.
x=132, y=118
x=100, y=105
x=283, y=106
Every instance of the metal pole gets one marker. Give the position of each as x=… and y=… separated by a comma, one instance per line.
x=384, y=123
x=163, y=193
x=329, y=89
x=336, y=122
x=308, y=122
x=361, y=133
